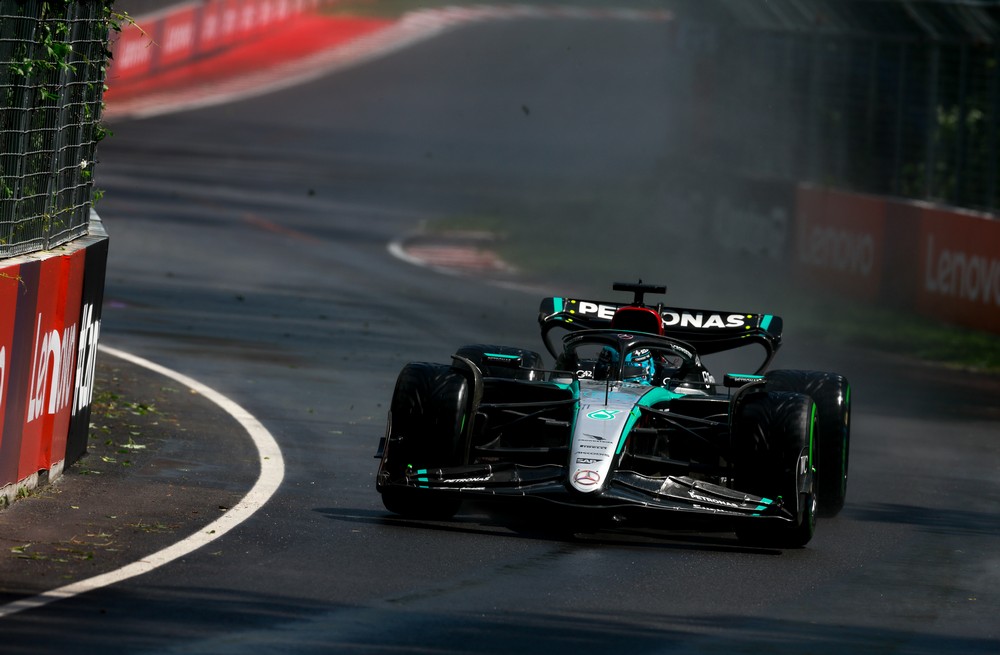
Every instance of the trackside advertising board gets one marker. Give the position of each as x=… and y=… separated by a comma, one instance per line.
x=942, y=263
x=191, y=30
x=959, y=268
x=49, y=324
x=839, y=239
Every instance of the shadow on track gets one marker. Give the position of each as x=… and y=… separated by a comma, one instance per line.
x=511, y=527
x=937, y=521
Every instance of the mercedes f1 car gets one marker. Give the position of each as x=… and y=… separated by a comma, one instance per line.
x=627, y=426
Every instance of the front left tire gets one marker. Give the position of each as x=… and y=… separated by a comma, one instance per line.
x=832, y=394
x=424, y=430
x=774, y=447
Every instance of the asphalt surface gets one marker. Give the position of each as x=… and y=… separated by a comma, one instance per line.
x=249, y=252
x=162, y=463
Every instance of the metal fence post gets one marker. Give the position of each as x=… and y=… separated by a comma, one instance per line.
x=932, y=121
x=992, y=152
x=871, y=103
x=20, y=204
x=897, y=151
x=963, y=124
x=55, y=177
x=815, y=111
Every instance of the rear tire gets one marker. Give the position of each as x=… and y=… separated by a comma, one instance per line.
x=425, y=430
x=832, y=394
x=773, y=442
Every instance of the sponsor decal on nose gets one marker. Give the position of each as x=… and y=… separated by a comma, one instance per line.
x=586, y=477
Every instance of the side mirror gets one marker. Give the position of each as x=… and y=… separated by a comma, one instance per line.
x=735, y=380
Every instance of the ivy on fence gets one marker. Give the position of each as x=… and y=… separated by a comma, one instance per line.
x=53, y=60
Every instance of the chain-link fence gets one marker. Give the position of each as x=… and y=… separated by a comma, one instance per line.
x=892, y=98
x=53, y=57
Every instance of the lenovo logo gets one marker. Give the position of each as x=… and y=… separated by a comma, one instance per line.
x=838, y=249
x=961, y=275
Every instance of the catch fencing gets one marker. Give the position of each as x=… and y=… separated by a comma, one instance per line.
x=890, y=98
x=53, y=57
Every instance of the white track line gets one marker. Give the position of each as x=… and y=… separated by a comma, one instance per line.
x=397, y=249
x=272, y=471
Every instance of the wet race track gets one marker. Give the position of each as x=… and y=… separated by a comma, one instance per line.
x=249, y=251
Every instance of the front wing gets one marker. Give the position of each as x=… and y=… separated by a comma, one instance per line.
x=625, y=491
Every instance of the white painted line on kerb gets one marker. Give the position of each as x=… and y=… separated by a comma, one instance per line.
x=397, y=249
x=272, y=471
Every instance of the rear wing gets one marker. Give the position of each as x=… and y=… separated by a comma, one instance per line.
x=708, y=331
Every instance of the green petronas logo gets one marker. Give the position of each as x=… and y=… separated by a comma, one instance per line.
x=603, y=414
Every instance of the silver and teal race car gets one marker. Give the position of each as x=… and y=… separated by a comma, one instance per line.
x=627, y=427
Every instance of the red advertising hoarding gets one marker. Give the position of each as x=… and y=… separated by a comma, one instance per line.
x=133, y=54
x=9, y=288
x=959, y=268
x=189, y=31
x=178, y=36
x=46, y=372
x=839, y=241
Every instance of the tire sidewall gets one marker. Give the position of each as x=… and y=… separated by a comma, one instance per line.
x=832, y=394
x=426, y=419
x=773, y=448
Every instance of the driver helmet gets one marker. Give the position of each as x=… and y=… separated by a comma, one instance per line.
x=639, y=366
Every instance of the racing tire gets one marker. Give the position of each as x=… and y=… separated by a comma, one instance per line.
x=528, y=368
x=425, y=430
x=832, y=394
x=773, y=449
